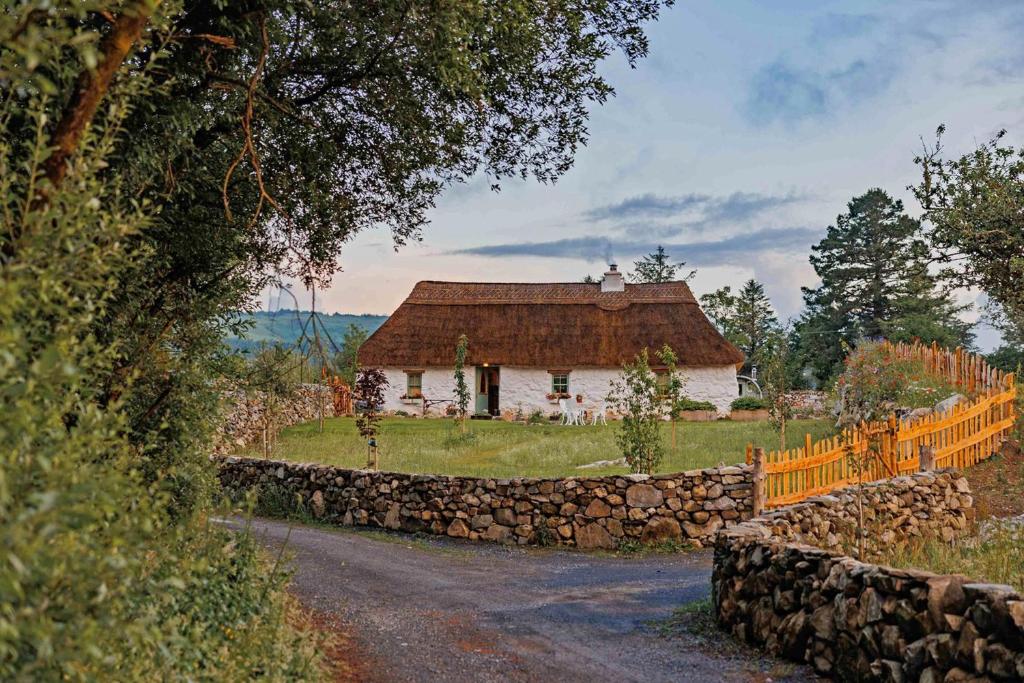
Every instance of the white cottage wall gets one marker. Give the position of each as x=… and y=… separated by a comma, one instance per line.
x=438, y=383
x=527, y=387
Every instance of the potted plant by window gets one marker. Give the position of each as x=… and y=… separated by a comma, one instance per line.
x=697, y=411
x=555, y=396
x=411, y=400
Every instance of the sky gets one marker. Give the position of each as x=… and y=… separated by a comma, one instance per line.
x=734, y=144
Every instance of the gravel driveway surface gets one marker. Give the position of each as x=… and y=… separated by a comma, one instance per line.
x=443, y=610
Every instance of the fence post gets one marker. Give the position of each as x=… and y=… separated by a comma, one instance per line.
x=926, y=455
x=750, y=453
x=758, y=477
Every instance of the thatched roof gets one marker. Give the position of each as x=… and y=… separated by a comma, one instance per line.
x=558, y=325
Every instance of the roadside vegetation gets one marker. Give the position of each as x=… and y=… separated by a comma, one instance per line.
x=993, y=555
x=504, y=449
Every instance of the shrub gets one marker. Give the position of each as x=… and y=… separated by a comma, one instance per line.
x=536, y=418
x=688, y=404
x=635, y=396
x=749, y=403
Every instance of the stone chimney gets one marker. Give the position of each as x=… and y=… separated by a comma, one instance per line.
x=612, y=280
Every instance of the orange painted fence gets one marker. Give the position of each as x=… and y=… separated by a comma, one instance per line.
x=966, y=434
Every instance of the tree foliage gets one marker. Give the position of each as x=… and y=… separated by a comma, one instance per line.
x=634, y=394
x=974, y=214
x=673, y=381
x=658, y=267
x=746, y=318
x=371, y=383
x=875, y=282
x=346, y=360
x=773, y=359
x=461, y=387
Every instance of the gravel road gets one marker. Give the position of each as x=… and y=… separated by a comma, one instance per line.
x=443, y=610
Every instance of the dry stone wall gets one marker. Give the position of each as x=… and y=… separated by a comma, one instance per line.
x=598, y=512
x=774, y=586
x=245, y=414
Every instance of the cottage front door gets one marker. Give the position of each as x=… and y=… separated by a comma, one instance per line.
x=493, y=388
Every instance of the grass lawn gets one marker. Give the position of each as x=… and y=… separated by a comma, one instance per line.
x=503, y=449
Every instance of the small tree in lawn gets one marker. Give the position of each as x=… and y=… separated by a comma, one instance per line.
x=635, y=396
x=461, y=388
x=369, y=390
x=773, y=359
x=671, y=393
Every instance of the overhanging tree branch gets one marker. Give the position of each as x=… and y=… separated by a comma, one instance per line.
x=92, y=85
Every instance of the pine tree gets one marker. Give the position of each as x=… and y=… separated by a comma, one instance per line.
x=873, y=265
x=658, y=267
x=746, y=318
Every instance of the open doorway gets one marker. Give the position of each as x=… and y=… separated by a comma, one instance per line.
x=488, y=388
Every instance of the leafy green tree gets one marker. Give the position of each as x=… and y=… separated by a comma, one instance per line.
x=873, y=265
x=673, y=380
x=461, y=386
x=658, y=267
x=346, y=359
x=973, y=208
x=634, y=394
x=746, y=318
x=273, y=374
x=107, y=573
x=772, y=358
x=974, y=212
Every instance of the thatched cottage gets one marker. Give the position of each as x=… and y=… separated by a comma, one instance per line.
x=529, y=342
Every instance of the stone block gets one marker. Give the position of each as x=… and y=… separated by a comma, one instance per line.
x=643, y=496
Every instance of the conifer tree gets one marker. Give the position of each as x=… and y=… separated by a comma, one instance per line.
x=746, y=318
x=873, y=265
x=658, y=267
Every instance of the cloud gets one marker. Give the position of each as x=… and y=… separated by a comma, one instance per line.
x=841, y=26
x=779, y=91
x=648, y=205
x=707, y=210
x=738, y=250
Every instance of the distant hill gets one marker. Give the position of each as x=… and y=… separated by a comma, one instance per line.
x=285, y=327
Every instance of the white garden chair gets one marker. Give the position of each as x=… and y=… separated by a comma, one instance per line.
x=599, y=412
x=569, y=416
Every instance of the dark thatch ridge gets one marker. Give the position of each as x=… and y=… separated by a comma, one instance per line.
x=558, y=325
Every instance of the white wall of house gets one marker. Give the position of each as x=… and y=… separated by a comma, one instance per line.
x=528, y=386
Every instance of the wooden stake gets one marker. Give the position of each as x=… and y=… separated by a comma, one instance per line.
x=759, y=493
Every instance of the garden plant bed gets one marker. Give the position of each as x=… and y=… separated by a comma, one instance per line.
x=502, y=449
x=749, y=415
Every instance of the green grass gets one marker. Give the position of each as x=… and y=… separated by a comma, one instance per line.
x=993, y=556
x=504, y=449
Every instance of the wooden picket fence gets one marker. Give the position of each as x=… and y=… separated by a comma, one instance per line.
x=966, y=434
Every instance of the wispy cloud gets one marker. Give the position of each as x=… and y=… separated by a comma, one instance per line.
x=737, y=250
x=783, y=92
x=839, y=26
x=780, y=91
x=648, y=205
x=699, y=210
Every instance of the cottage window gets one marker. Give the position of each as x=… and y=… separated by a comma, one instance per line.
x=560, y=384
x=414, y=384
